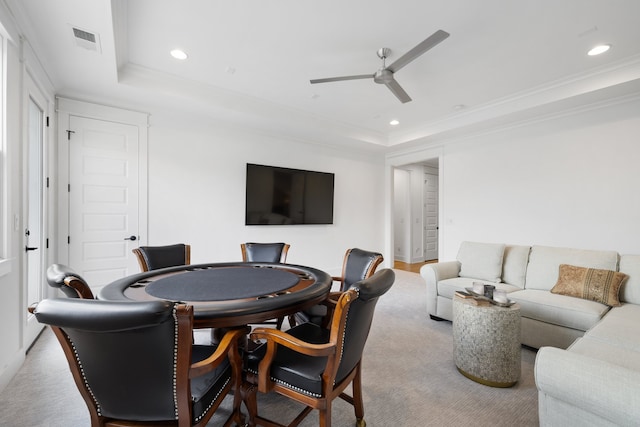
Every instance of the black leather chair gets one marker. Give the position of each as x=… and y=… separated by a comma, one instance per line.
x=155, y=257
x=313, y=365
x=358, y=264
x=264, y=252
x=134, y=363
x=68, y=281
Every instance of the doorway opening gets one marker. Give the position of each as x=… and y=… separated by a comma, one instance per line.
x=415, y=211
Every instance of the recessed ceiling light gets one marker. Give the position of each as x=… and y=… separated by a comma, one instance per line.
x=179, y=54
x=394, y=122
x=599, y=49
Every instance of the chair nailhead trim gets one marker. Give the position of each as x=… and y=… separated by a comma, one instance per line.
x=298, y=389
x=84, y=378
x=175, y=361
x=213, y=401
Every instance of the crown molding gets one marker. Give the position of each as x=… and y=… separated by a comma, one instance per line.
x=535, y=98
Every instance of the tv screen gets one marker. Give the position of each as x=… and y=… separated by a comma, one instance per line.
x=281, y=196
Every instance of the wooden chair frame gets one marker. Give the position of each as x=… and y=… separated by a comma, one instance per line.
x=332, y=350
x=228, y=347
x=80, y=286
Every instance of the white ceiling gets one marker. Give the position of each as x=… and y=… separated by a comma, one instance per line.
x=250, y=61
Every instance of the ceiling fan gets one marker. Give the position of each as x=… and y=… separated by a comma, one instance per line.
x=385, y=74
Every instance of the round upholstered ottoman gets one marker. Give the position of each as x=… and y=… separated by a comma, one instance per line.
x=486, y=341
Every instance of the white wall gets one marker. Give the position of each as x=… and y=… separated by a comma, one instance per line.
x=571, y=181
x=197, y=174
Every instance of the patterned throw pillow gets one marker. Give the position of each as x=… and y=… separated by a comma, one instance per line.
x=591, y=284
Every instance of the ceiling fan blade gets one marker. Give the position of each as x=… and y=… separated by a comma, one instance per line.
x=398, y=91
x=338, y=79
x=421, y=48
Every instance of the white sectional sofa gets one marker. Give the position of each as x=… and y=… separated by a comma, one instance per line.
x=588, y=366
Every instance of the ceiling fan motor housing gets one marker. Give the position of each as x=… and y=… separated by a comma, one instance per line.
x=383, y=76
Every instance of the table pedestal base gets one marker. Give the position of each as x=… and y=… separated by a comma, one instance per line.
x=487, y=382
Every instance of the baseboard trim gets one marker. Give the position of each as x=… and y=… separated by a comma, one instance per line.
x=11, y=369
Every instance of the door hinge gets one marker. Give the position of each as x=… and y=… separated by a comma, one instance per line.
x=68, y=240
x=68, y=188
x=47, y=182
x=47, y=245
x=69, y=132
x=47, y=121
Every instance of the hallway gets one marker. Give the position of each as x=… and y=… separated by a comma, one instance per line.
x=414, y=268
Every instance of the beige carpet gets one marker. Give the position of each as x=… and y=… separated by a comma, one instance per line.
x=409, y=379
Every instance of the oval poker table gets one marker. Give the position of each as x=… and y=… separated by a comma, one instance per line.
x=227, y=294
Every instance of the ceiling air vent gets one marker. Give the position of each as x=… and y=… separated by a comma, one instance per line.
x=86, y=39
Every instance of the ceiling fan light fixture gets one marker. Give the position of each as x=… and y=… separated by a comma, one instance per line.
x=179, y=54
x=597, y=50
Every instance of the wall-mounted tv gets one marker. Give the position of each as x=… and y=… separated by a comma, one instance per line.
x=281, y=196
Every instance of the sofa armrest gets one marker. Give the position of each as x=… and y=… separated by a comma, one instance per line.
x=432, y=274
x=594, y=386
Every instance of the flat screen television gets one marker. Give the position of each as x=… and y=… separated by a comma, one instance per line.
x=282, y=196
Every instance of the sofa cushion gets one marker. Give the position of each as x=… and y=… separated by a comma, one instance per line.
x=561, y=310
x=588, y=346
x=589, y=283
x=544, y=264
x=618, y=327
x=514, y=264
x=630, y=291
x=481, y=260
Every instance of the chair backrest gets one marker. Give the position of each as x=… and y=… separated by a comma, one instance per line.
x=358, y=264
x=155, y=257
x=129, y=358
x=357, y=319
x=264, y=252
x=68, y=281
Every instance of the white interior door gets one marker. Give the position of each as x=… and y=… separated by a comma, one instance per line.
x=104, y=203
x=430, y=217
x=35, y=200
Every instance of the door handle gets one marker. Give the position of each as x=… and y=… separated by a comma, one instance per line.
x=28, y=248
x=132, y=238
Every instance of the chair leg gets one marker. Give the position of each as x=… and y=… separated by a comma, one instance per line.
x=358, y=405
x=325, y=415
x=279, y=323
